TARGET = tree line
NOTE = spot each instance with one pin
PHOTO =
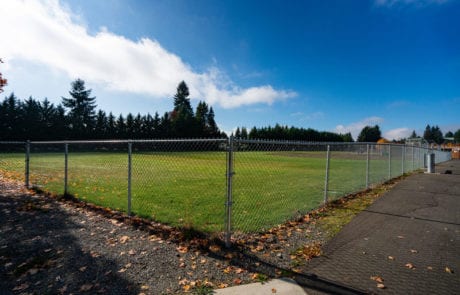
(76, 118)
(279, 132)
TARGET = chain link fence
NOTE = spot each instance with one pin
(228, 186)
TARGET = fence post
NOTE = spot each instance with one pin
(66, 167)
(367, 166)
(403, 159)
(27, 171)
(413, 155)
(130, 146)
(229, 203)
(389, 161)
(326, 180)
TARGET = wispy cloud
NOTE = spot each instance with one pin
(302, 117)
(398, 104)
(356, 127)
(419, 3)
(397, 133)
(45, 32)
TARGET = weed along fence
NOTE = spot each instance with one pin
(228, 186)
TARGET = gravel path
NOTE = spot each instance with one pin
(63, 247)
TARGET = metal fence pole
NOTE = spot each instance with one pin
(413, 155)
(229, 203)
(66, 167)
(367, 166)
(326, 180)
(403, 156)
(389, 162)
(27, 160)
(130, 147)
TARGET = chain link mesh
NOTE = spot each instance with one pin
(186, 183)
(275, 181)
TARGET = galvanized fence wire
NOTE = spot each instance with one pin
(213, 185)
(275, 181)
(186, 176)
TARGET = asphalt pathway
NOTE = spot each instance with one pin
(407, 242)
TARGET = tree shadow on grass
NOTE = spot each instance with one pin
(39, 252)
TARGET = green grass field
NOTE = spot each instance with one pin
(189, 188)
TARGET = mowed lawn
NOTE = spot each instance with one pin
(189, 188)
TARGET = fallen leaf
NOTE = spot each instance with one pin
(122, 270)
(381, 286)
(273, 290)
(182, 264)
(82, 269)
(186, 288)
(449, 270)
(128, 265)
(182, 249)
(144, 287)
(410, 266)
(239, 270)
(400, 237)
(237, 281)
(378, 279)
(86, 287)
(132, 252)
(413, 251)
(203, 261)
(228, 269)
(33, 271)
(21, 287)
(222, 285)
(124, 239)
(391, 258)
(214, 248)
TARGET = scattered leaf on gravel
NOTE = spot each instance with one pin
(228, 269)
(21, 287)
(449, 270)
(132, 252)
(400, 237)
(187, 288)
(410, 266)
(222, 285)
(86, 287)
(122, 270)
(413, 251)
(237, 281)
(381, 286)
(391, 258)
(82, 269)
(239, 270)
(124, 239)
(429, 268)
(378, 279)
(144, 287)
(182, 249)
(214, 248)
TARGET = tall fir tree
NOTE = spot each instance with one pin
(81, 107)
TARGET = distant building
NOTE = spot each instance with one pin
(417, 141)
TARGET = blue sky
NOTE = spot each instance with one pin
(329, 65)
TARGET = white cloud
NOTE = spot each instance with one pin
(397, 133)
(420, 3)
(302, 117)
(45, 32)
(356, 127)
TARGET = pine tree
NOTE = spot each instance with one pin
(81, 109)
(182, 116)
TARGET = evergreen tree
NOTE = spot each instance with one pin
(101, 128)
(121, 127)
(244, 133)
(449, 134)
(182, 116)
(413, 135)
(213, 130)
(370, 134)
(111, 126)
(81, 109)
(457, 136)
(130, 126)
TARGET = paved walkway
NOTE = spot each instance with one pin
(408, 240)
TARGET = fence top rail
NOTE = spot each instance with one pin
(294, 142)
(114, 141)
(12, 142)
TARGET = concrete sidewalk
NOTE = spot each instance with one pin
(408, 242)
(409, 239)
